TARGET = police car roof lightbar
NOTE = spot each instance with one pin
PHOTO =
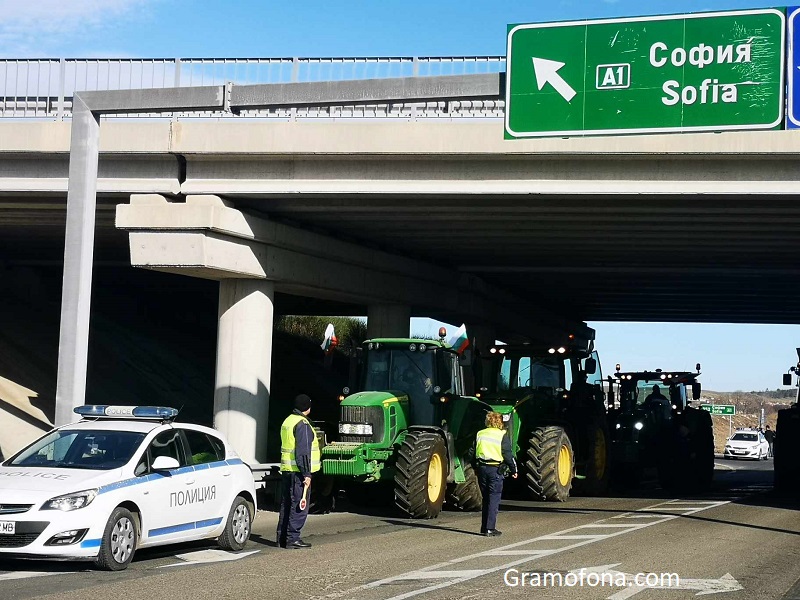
(161, 413)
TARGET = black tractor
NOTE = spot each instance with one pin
(786, 447)
(654, 431)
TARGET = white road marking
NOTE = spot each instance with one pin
(531, 553)
(207, 556)
(703, 587)
(458, 575)
(29, 574)
(454, 577)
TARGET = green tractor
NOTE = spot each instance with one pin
(786, 448)
(657, 433)
(553, 403)
(407, 429)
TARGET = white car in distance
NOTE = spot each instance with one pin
(746, 443)
(123, 478)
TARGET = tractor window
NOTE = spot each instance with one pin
(568, 365)
(595, 378)
(444, 365)
(450, 373)
(504, 375)
(405, 371)
(514, 372)
(545, 373)
(524, 372)
(677, 394)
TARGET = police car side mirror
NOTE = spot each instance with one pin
(165, 463)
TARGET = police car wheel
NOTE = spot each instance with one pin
(119, 541)
(237, 528)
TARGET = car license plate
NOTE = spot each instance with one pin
(740, 451)
(7, 527)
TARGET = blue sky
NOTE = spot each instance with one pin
(733, 356)
(266, 28)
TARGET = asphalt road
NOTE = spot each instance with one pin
(739, 541)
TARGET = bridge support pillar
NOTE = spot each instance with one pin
(244, 362)
(388, 320)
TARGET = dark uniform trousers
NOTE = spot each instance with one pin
(291, 519)
(491, 483)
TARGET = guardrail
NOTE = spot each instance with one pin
(43, 88)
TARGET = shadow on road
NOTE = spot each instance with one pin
(428, 525)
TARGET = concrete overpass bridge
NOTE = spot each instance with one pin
(434, 217)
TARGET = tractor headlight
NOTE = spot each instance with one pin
(355, 428)
(638, 425)
(506, 418)
(70, 502)
(619, 426)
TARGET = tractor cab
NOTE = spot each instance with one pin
(653, 425)
(658, 393)
(557, 377)
(421, 370)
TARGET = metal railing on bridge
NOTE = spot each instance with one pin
(43, 88)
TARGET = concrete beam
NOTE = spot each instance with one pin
(388, 321)
(157, 174)
(399, 89)
(201, 98)
(207, 237)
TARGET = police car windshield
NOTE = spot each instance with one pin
(80, 449)
(745, 437)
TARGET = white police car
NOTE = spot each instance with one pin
(123, 478)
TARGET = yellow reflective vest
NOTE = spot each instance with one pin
(288, 445)
(489, 445)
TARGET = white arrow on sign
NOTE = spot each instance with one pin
(703, 587)
(547, 72)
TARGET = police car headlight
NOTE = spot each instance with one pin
(71, 501)
(355, 428)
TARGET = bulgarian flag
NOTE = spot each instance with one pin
(330, 338)
(460, 341)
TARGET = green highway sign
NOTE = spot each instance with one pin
(679, 73)
(719, 409)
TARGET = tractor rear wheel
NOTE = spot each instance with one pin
(466, 496)
(704, 450)
(786, 451)
(597, 461)
(550, 464)
(421, 477)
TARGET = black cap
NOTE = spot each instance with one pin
(302, 402)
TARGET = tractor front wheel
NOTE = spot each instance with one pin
(597, 461)
(550, 465)
(421, 477)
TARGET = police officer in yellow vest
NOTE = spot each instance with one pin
(299, 459)
(492, 451)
